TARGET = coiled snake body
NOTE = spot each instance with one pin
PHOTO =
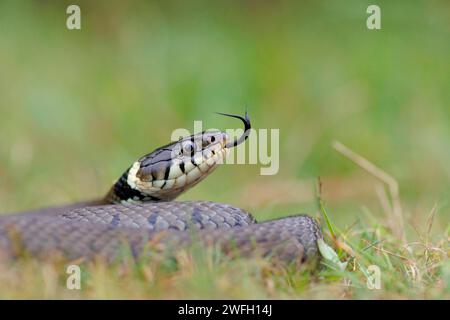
(138, 214)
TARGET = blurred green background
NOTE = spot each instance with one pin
(77, 107)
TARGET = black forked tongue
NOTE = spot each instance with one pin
(247, 127)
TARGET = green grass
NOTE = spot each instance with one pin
(77, 107)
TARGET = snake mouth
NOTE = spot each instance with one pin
(247, 127)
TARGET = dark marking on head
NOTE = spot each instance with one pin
(124, 192)
(182, 167)
(167, 172)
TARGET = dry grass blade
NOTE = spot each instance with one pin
(378, 173)
(431, 219)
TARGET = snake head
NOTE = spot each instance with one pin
(172, 169)
(168, 171)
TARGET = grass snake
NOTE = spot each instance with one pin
(139, 216)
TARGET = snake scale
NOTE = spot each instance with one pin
(138, 214)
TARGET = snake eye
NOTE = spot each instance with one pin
(208, 139)
(188, 148)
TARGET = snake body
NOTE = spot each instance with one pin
(139, 215)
